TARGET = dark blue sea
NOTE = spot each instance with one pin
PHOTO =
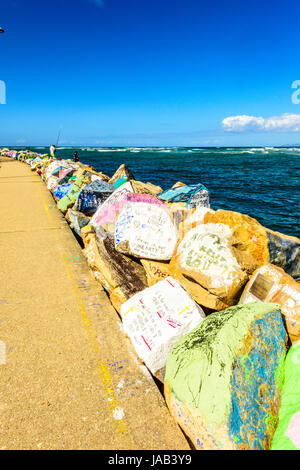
(261, 182)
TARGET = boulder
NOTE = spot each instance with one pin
(287, 434)
(121, 276)
(271, 284)
(264, 245)
(145, 188)
(61, 190)
(206, 265)
(223, 380)
(77, 220)
(144, 228)
(189, 196)
(156, 318)
(52, 183)
(92, 195)
(69, 199)
(121, 176)
(155, 270)
(105, 215)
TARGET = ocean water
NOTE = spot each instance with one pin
(261, 182)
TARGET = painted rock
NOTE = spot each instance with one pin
(271, 284)
(77, 220)
(223, 380)
(106, 212)
(145, 188)
(52, 183)
(65, 175)
(120, 276)
(69, 199)
(62, 190)
(284, 251)
(191, 195)
(155, 270)
(92, 195)
(123, 174)
(145, 229)
(156, 318)
(206, 266)
(287, 434)
(264, 245)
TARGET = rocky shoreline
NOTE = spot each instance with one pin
(210, 299)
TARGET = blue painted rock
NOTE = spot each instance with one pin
(287, 434)
(62, 190)
(223, 380)
(92, 195)
(190, 196)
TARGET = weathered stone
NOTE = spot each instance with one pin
(156, 318)
(69, 199)
(77, 220)
(206, 266)
(271, 284)
(145, 229)
(287, 434)
(105, 215)
(223, 380)
(191, 196)
(145, 188)
(259, 244)
(122, 276)
(92, 195)
(123, 174)
(155, 270)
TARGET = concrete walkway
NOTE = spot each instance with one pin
(69, 379)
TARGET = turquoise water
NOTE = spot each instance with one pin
(260, 182)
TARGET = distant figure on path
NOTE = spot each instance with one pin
(76, 157)
(52, 151)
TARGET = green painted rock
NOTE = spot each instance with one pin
(70, 198)
(223, 380)
(287, 434)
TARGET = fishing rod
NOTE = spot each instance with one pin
(59, 132)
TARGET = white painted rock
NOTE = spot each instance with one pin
(156, 318)
(146, 230)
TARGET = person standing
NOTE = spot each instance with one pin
(52, 151)
(76, 156)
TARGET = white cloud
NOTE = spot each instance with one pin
(284, 123)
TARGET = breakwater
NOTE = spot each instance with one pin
(209, 299)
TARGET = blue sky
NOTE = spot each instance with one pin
(141, 72)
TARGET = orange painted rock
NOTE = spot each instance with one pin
(271, 284)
